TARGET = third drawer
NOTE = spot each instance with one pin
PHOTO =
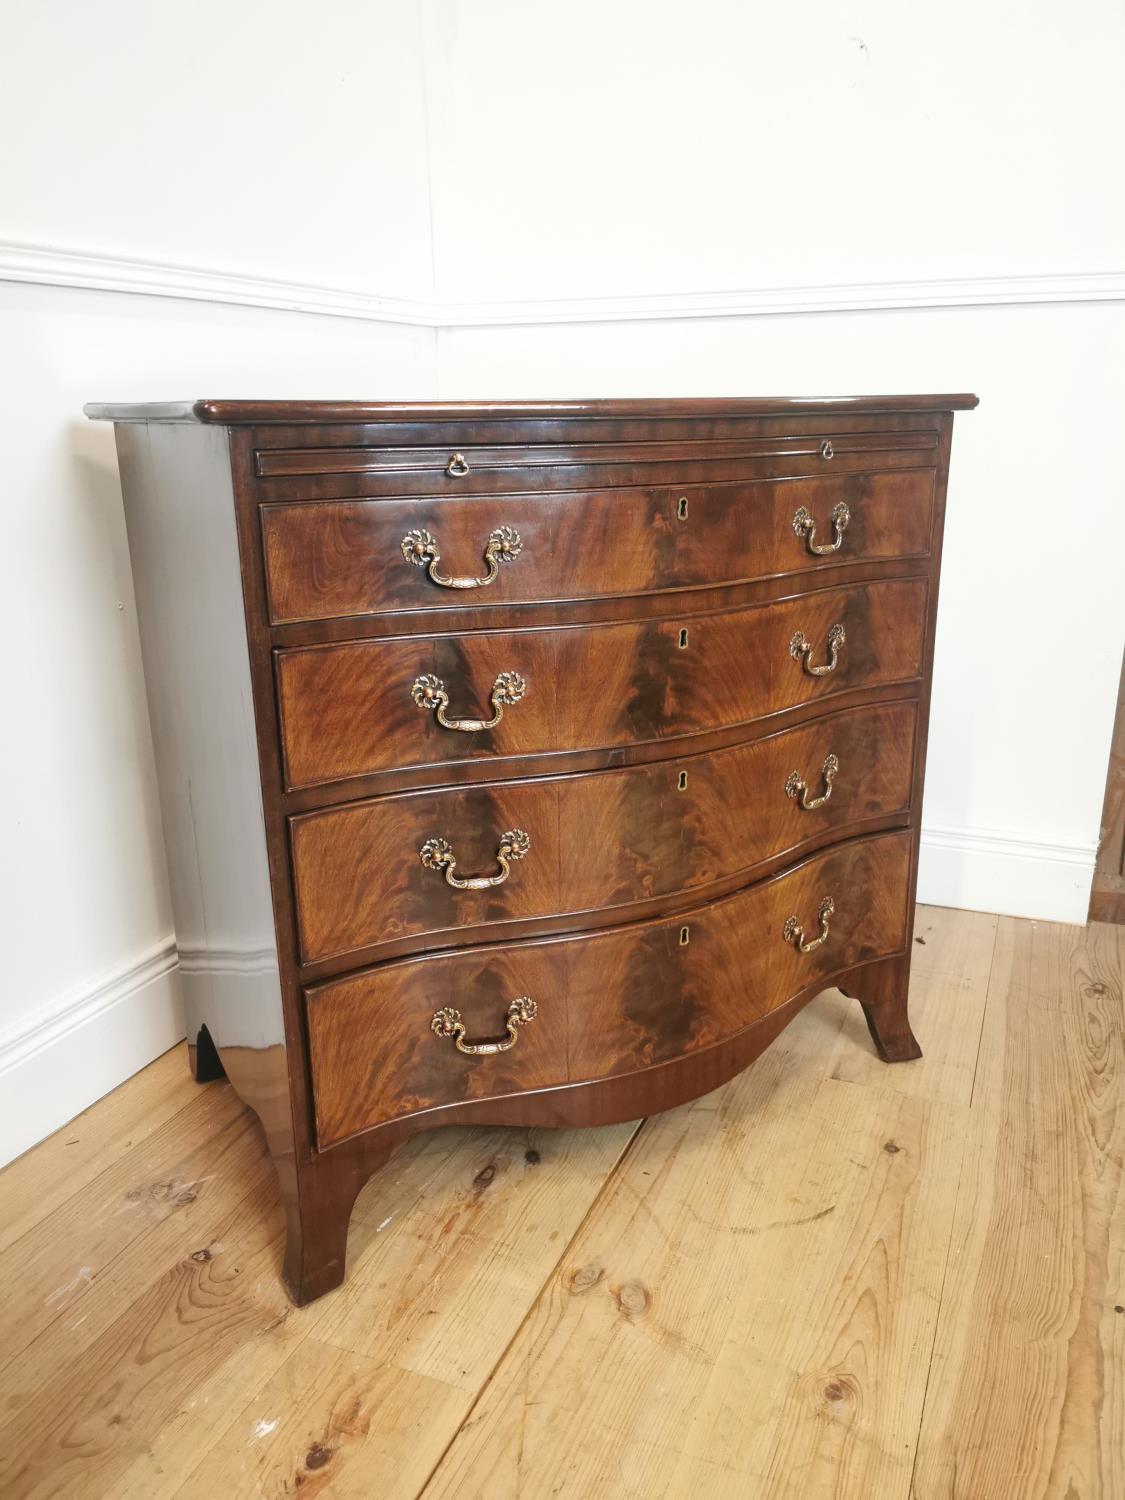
(379, 871)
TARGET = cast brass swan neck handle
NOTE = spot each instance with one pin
(437, 854)
(420, 547)
(800, 649)
(794, 933)
(447, 1022)
(804, 525)
(798, 788)
(429, 692)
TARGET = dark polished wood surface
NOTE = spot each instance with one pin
(336, 558)
(234, 413)
(608, 1003)
(658, 757)
(663, 828)
(348, 710)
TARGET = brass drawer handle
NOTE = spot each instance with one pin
(429, 692)
(437, 854)
(793, 933)
(458, 466)
(804, 525)
(800, 650)
(421, 548)
(448, 1022)
(798, 788)
(826, 450)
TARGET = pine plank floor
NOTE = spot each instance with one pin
(829, 1278)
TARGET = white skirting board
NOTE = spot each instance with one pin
(991, 870)
(91, 1040)
(85, 1043)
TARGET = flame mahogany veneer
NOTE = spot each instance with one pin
(651, 676)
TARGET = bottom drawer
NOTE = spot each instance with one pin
(604, 1003)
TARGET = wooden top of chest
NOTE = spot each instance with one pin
(256, 413)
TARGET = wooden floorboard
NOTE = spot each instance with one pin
(830, 1278)
(1027, 1396)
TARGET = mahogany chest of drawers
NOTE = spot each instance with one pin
(528, 764)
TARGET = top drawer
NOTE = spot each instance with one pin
(532, 466)
(368, 556)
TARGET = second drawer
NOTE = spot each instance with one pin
(391, 704)
(605, 840)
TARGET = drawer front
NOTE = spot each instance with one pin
(470, 468)
(605, 1003)
(369, 873)
(370, 706)
(354, 557)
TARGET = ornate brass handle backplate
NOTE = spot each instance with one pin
(429, 692)
(804, 525)
(448, 1022)
(437, 854)
(421, 548)
(798, 788)
(794, 933)
(800, 649)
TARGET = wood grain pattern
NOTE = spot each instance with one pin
(33, 1186)
(505, 465)
(663, 829)
(344, 558)
(609, 1003)
(181, 1339)
(315, 711)
(734, 1320)
(347, 710)
(1028, 1393)
(753, 1296)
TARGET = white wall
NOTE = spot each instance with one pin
(608, 150)
(263, 138)
(903, 198)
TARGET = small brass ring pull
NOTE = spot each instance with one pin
(429, 693)
(794, 933)
(800, 650)
(421, 548)
(826, 450)
(437, 854)
(448, 1022)
(804, 525)
(798, 788)
(458, 466)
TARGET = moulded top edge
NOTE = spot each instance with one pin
(255, 413)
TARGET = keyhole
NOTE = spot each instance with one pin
(681, 782)
(685, 936)
(681, 509)
(683, 639)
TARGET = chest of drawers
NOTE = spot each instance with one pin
(527, 764)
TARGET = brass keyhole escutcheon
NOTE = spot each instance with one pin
(685, 936)
(681, 509)
(683, 640)
(681, 782)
